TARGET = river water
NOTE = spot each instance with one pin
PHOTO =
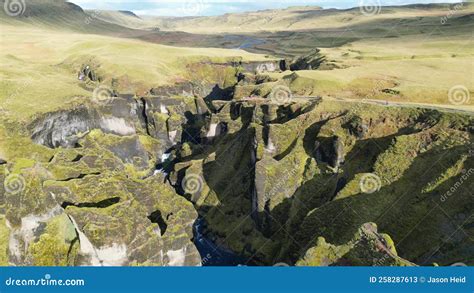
(211, 253)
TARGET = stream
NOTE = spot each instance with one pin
(211, 253)
(244, 42)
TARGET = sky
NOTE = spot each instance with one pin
(219, 7)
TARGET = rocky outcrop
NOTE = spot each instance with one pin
(262, 67)
(186, 89)
(122, 181)
(65, 127)
(87, 73)
(160, 117)
(312, 61)
(358, 127)
(337, 153)
(251, 79)
(366, 248)
(88, 212)
(329, 150)
(299, 175)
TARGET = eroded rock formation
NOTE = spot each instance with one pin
(123, 182)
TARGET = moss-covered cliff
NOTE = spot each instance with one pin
(120, 180)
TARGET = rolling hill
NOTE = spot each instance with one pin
(58, 14)
(122, 18)
(306, 18)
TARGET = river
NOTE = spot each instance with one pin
(211, 253)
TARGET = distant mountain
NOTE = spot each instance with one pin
(289, 32)
(304, 18)
(53, 9)
(67, 15)
(57, 14)
(122, 18)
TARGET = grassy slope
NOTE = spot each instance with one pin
(418, 58)
(122, 18)
(404, 49)
(420, 61)
(40, 58)
(419, 71)
(60, 14)
(39, 66)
